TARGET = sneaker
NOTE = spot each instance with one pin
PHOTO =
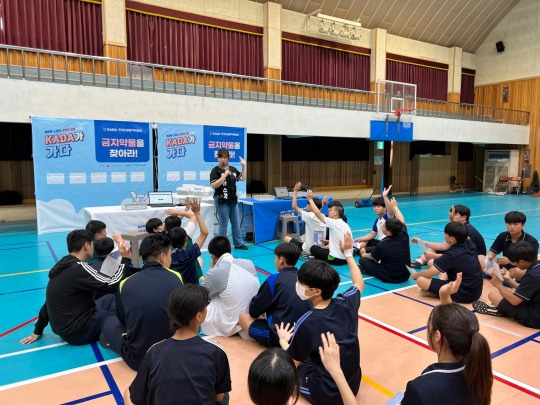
(241, 247)
(416, 265)
(427, 294)
(103, 342)
(486, 309)
(305, 255)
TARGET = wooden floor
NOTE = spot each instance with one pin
(392, 319)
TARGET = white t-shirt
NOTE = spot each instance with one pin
(190, 229)
(231, 283)
(337, 228)
(313, 224)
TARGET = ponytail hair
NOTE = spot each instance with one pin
(459, 330)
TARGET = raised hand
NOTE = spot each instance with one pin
(297, 186)
(196, 206)
(124, 249)
(386, 191)
(310, 195)
(329, 352)
(242, 161)
(347, 243)
(285, 332)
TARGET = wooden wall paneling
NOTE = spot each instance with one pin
(401, 168)
(523, 95)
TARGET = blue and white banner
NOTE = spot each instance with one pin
(187, 153)
(87, 163)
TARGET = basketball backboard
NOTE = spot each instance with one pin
(396, 96)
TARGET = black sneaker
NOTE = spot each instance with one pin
(416, 265)
(241, 247)
(103, 342)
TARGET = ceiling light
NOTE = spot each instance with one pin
(334, 30)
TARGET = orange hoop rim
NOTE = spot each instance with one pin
(399, 111)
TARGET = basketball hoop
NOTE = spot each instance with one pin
(405, 115)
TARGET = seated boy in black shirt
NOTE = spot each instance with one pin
(388, 261)
(515, 222)
(276, 298)
(317, 282)
(462, 257)
(522, 301)
(184, 369)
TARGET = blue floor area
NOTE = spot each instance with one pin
(25, 258)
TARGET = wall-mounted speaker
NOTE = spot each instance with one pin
(500, 46)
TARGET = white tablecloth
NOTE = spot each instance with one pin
(119, 220)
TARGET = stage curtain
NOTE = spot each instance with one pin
(57, 25)
(430, 82)
(176, 43)
(467, 89)
(306, 63)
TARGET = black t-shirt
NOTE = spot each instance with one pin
(187, 372)
(394, 252)
(142, 306)
(462, 258)
(529, 289)
(184, 261)
(477, 239)
(278, 299)
(441, 384)
(341, 318)
(227, 190)
(504, 241)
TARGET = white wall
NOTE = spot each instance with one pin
(519, 30)
(72, 101)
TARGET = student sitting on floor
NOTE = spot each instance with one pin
(174, 220)
(183, 369)
(330, 254)
(461, 257)
(383, 210)
(458, 213)
(141, 304)
(231, 283)
(312, 224)
(515, 222)
(154, 225)
(522, 301)
(273, 379)
(102, 247)
(99, 230)
(277, 299)
(388, 261)
(70, 305)
(184, 259)
(317, 282)
(462, 374)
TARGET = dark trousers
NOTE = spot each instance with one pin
(105, 307)
(322, 254)
(114, 331)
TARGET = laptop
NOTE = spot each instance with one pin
(282, 193)
(160, 199)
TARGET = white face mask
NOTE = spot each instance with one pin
(301, 292)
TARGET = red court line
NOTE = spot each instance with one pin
(425, 346)
(18, 327)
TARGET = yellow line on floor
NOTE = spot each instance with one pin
(377, 386)
(23, 273)
(446, 219)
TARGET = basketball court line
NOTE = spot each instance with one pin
(2, 356)
(89, 398)
(7, 332)
(23, 273)
(59, 374)
(526, 388)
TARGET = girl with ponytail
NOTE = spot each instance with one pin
(183, 368)
(463, 373)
